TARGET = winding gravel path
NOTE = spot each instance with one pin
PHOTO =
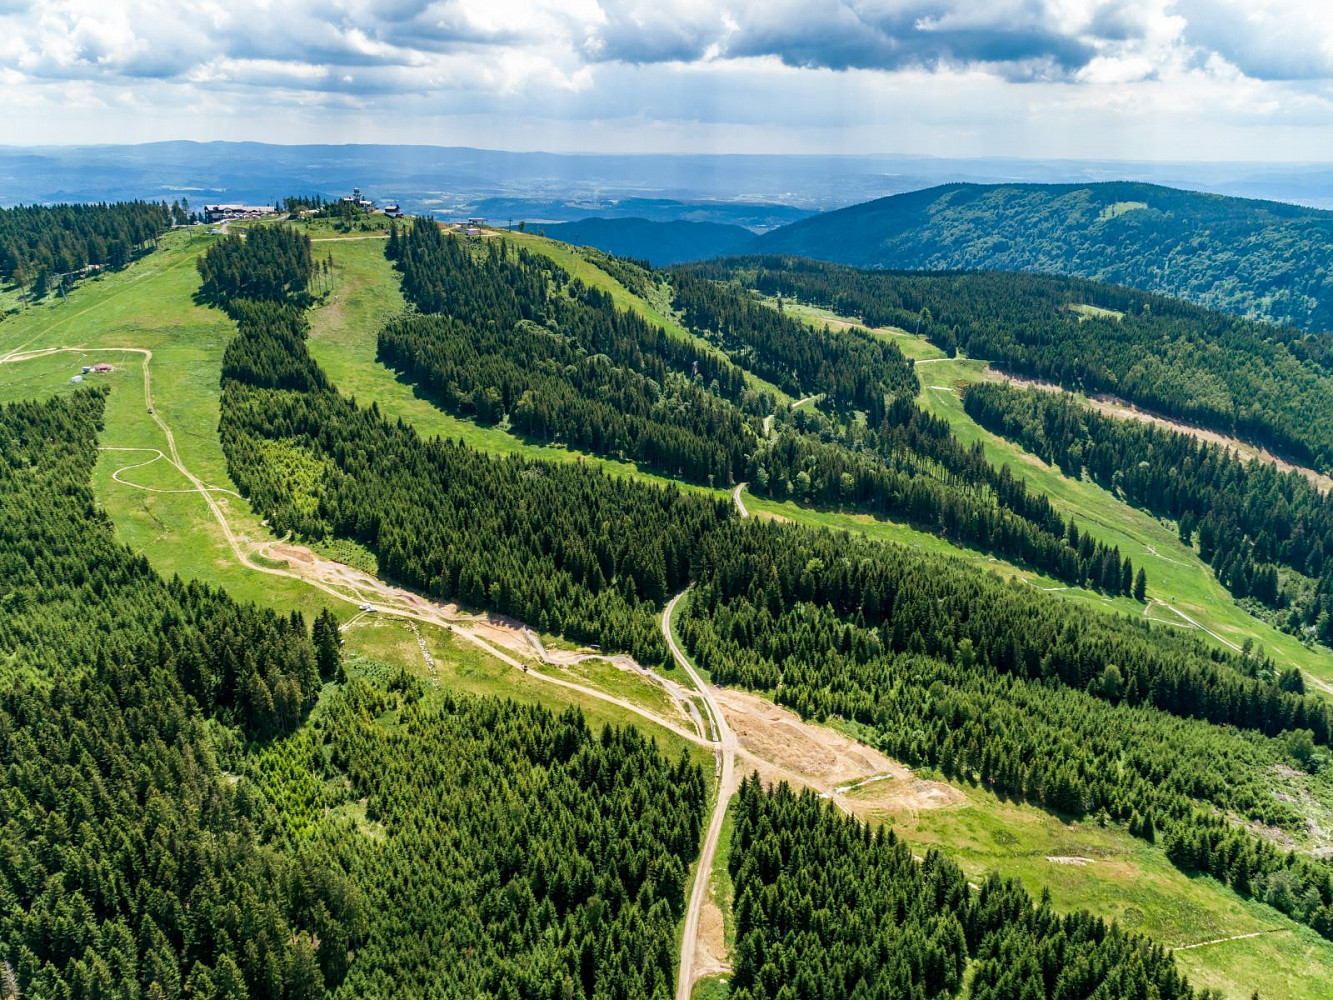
(726, 769)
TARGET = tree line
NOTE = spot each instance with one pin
(507, 335)
(1166, 355)
(826, 907)
(912, 468)
(1249, 518)
(267, 264)
(849, 369)
(40, 244)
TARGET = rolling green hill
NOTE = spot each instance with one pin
(660, 243)
(563, 855)
(1261, 259)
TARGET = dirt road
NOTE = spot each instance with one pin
(726, 751)
(740, 504)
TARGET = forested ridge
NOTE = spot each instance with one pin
(827, 908)
(1036, 698)
(850, 371)
(1079, 711)
(1249, 518)
(39, 243)
(1263, 259)
(1248, 379)
(161, 838)
(509, 337)
(507, 334)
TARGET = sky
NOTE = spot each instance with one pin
(1116, 79)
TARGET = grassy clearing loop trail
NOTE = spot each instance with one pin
(158, 455)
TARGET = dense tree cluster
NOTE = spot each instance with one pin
(1168, 356)
(1249, 517)
(850, 369)
(503, 851)
(515, 340)
(1033, 698)
(912, 468)
(295, 204)
(129, 863)
(925, 604)
(1262, 259)
(564, 547)
(40, 243)
(826, 907)
(508, 335)
(267, 263)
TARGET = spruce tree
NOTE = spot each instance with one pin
(328, 643)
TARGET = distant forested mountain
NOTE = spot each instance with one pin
(1260, 259)
(659, 243)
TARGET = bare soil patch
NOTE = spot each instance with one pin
(710, 956)
(782, 747)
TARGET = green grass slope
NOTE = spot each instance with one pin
(659, 243)
(1182, 589)
(154, 508)
(1260, 259)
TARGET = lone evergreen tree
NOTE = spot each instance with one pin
(1140, 585)
(328, 646)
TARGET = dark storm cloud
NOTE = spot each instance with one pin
(1014, 38)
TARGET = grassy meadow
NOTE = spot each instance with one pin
(1125, 879)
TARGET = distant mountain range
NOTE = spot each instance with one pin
(752, 216)
(1262, 259)
(453, 182)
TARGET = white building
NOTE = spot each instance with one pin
(220, 213)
